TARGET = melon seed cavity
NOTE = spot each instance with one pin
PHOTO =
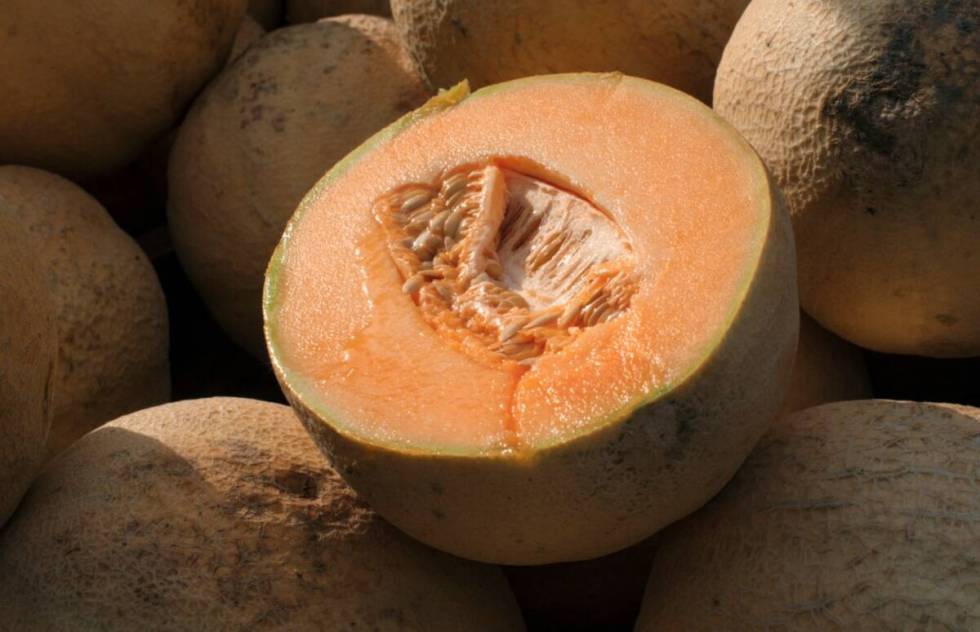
(504, 262)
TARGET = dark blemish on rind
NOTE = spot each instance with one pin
(459, 26)
(896, 79)
(438, 514)
(297, 483)
(436, 488)
(870, 210)
(947, 319)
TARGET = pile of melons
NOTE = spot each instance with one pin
(467, 315)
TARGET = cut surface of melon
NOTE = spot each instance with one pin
(618, 265)
(540, 322)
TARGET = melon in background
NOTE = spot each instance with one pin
(111, 316)
(221, 514)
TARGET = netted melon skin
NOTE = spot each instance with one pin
(854, 516)
(867, 114)
(28, 360)
(676, 42)
(111, 314)
(220, 514)
(89, 83)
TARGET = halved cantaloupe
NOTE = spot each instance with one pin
(539, 322)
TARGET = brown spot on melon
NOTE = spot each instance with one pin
(261, 135)
(110, 311)
(221, 514)
(87, 86)
(855, 516)
(867, 113)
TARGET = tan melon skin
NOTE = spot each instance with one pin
(676, 42)
(261, 135)
(867, 114)
(111, 314)
(221, 514)
(299, 11)
(28, 356)
(849, 516)
(88, 83)
(827, 369)
(660, 463)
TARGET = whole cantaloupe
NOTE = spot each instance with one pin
(220, 514)
(88, 83)
(868, 115)
(676, 42)
(261, 135)
(111, 313)
(850, 516)
(28, 353)
(299, 11)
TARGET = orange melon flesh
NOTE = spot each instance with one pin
(688, 194)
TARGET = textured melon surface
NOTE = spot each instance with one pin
(28, 357)
(868, 115)
(261, 135)
(677, 42)
(850, 516)
(220, 514)
(89, 83)
(572, 373)
(111, 315)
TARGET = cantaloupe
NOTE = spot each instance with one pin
(299, 11)
(88, 83)
(538, 323)
(868, 114)
(28, 356)
(850, 516)
(111, 315)
(261, 135)
(220, 514)
(676, 42)
(827, 369)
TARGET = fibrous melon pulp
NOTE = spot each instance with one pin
(539, 323)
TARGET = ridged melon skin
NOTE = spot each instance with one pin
(676, 42)
(111, 314)
(299, 11)
(88, 83)
(827, 369)
(849, 516)
(622, 481)
(261, 135)
(220, 514)
(28, 356)
(868, 115)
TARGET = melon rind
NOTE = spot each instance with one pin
(620, 478)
